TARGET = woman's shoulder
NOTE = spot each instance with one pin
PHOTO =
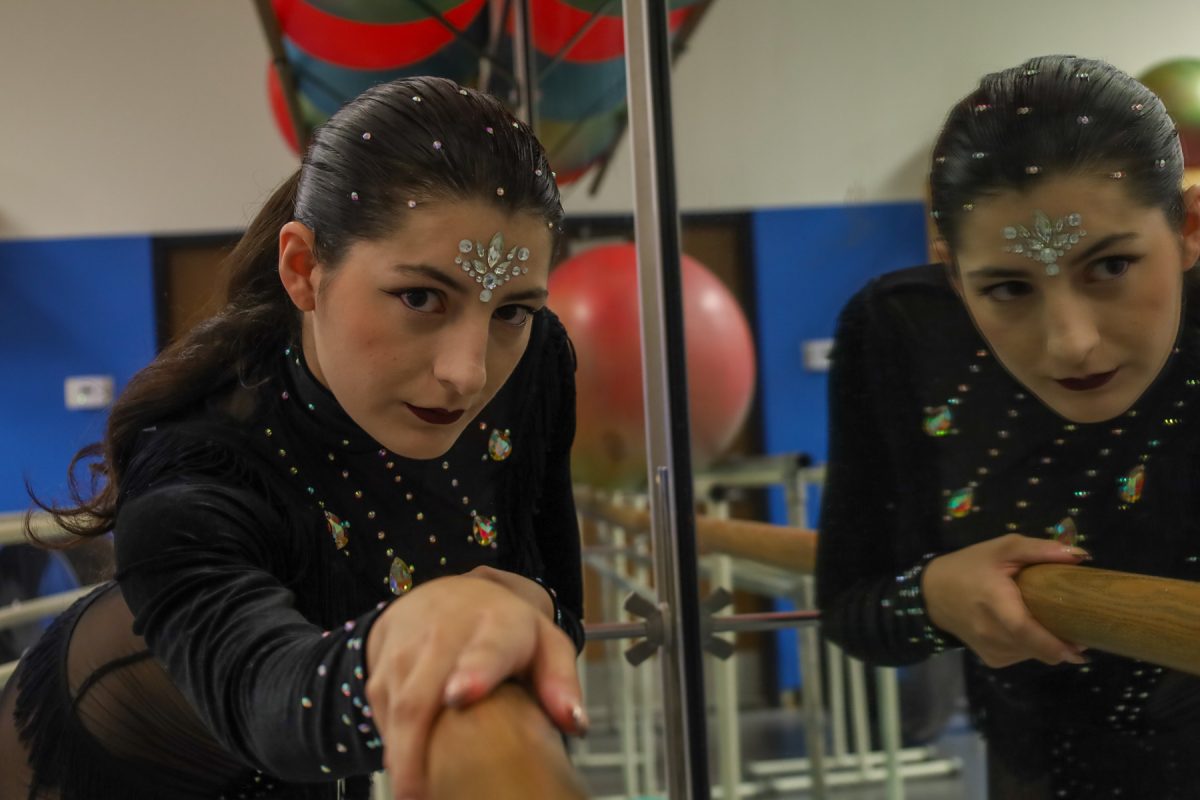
(210, 443)
(911, 291)
(549, 358)
(913, 309)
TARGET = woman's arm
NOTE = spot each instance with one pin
(890, 594)
(199, 571)
(870, 599)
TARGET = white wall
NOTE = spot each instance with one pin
(136, 116)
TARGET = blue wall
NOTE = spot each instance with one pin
(67, 307)
(808, 262)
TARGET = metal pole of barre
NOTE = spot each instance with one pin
(858, 708)
(21, 612)
(625, 676)
(835, 674)
(810, 657)
(889, 724)
(724, 676)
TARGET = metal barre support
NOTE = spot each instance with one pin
(735, 623)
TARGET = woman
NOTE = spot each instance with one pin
(341, 503)
(1029, 400)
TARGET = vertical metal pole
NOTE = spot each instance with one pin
(859, 711)
(524, 63)
(625, 673)
(889, 723)
(650, 707)
(648, 65)
(810, 656)
(834, 672)
(283, 68)
(725, 680)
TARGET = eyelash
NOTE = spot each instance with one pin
(404, 294)
(1025, 288)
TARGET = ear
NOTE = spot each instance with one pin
(1190, 232)
(941, 251)
(298, 264)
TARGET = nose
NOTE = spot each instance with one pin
(460, 363)
(1071, 329)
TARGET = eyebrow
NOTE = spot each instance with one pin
(438, 276)
(538, 293)
(433, 273)
(1103, 244)
(992, 273)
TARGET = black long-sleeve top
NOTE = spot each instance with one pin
(935, 446)
(259, 538)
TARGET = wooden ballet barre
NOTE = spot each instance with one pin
(503, 748)
(1156, 620)
(793, 549)
(1138, 616)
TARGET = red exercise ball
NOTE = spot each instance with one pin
(596, 295)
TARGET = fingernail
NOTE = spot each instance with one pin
(580, 719)
(1078, 552)
(1075, 657)
(456, 690)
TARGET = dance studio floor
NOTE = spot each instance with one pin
(772, 734)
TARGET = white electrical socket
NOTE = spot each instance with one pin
(84, 392)
(816, 354)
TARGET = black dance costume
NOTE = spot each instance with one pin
(935, 447)
(257, 541)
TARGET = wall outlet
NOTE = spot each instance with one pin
(84, 392)
(816, 354)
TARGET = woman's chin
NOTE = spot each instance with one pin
(1088, 410)
(420, 445)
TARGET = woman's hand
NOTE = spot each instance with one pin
(972, 593)
(450, 642)
(530, 591)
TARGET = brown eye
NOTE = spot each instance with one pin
(1006, 291)
(1109, 268)
(517, 316)
(425, 301)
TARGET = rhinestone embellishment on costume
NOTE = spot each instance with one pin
(491, 266)
(938, 421)
(483, 530)
(1048, 241)
(337, 529)
(500, 444)
(961, 503)
(1130, 486)
(400, 577)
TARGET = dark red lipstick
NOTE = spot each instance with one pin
(435, 416)
(1088, 382)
